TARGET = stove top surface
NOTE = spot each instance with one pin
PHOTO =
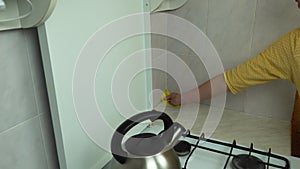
(212, 154)
(215, 154)
(205, 157)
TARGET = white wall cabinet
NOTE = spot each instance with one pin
(63, 38)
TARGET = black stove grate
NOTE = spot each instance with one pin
(233, 146)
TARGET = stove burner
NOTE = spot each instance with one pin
(245, 161)
(182, 148)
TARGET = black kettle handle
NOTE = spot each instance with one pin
(118, 153)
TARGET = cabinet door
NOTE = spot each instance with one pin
(95, 66)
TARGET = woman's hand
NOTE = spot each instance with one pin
(174, 99)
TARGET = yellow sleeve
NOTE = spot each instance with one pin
(275, 62)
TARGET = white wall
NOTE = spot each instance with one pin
(239, 30)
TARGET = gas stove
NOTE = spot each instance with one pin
(215, 154)
(207, 153)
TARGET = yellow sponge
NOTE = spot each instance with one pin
(166, 93)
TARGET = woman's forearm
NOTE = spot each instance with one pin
(214, 87)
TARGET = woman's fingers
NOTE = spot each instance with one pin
(173, 98)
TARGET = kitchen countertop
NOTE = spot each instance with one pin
(263, 132)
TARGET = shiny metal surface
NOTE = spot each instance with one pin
(165, 160)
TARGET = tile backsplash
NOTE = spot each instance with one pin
(239, 30)
(26, 134)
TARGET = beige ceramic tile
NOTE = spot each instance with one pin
(230, 26)
(274, 100)
(271, 22)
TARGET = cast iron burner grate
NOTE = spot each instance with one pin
(250, 161)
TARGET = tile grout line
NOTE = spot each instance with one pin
(253, 27)
(207, 17)
(166, 49)
(19, 124)
(250, 48)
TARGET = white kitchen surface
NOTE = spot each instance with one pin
(263, 132)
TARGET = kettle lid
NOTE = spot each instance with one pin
(145, 144)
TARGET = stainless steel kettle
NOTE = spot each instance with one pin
(146, 150)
